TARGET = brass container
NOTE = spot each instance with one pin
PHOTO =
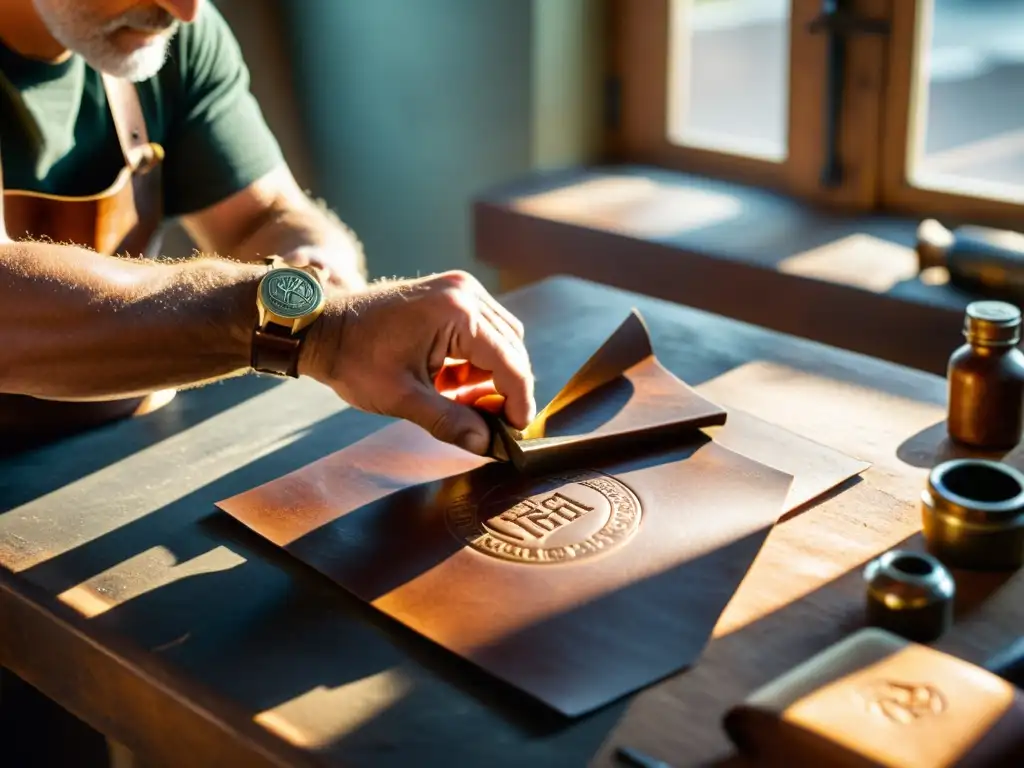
(909, 594)
(973, 514)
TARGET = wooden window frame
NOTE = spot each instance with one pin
(877, 127)
(639, 54)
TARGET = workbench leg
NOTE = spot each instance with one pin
(121, 756)
(35, 732)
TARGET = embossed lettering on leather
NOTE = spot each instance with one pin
(568, 517)
(576, 587)
(874, 699)
(620, 396)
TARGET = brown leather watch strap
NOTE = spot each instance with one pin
(275, 350)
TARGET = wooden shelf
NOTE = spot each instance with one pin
(743, 252)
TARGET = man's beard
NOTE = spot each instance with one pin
(94, 39)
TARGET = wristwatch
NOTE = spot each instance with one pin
(289, 300)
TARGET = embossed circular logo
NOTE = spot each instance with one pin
(558, 519)
(290, 292)
(903, 703)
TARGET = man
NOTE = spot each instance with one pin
(87, 326)
(109, 105)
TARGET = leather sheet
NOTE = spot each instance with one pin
(577, 585)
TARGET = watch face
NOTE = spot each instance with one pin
(290, 292)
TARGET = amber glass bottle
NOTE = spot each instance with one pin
(986, 378)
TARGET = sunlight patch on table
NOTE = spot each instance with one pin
(635, 206)
(807, 403)
(883, 507)
(778, 578)
(859, 260)
(323, 715)
(146, 572)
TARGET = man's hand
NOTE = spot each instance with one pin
(384, 350)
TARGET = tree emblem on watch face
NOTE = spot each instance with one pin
(291, 292)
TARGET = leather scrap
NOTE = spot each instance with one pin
(621, 397)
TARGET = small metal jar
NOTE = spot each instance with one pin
(910, 594)
(973, 514)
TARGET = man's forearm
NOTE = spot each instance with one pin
(273, 216)
(313, 230)
(81, 325)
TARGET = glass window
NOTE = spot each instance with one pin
(729, 76)
(967, 124)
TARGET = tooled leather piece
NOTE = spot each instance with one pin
(124, 218)
(275, 351)
(875, 699)
(577, 587)
(620, 397)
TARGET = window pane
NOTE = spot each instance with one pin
(729, 75)
(970, 98)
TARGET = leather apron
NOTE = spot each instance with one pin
(123, 219)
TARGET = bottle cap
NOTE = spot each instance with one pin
(992, 323)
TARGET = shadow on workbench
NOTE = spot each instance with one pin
(268, 632)
(35, 473)
(932, 446)
(265, 630)
(75, 457)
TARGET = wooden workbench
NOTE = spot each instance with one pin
(131, 600)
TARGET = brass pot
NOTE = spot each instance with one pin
(973, 514)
